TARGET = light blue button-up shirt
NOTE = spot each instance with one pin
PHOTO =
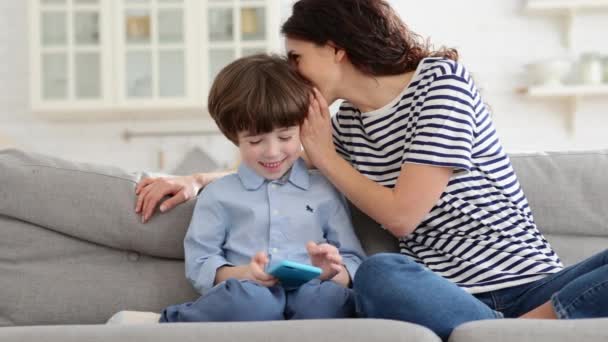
(242, 214)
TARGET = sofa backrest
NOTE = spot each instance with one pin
(568, 194)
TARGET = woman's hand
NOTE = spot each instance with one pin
(315, 132)
(150, 191)
(326, 257)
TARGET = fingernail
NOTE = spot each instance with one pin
(162, 208)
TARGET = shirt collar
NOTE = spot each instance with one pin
(298, 176)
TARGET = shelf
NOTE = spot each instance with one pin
(568, 90)
(564, 6)
(566, 9)
(571, 94)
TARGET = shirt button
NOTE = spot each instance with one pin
(274, 186)
(274, 250)
(275, 212)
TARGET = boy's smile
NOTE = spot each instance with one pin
(271, 154)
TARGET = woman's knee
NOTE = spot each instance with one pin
(379, 270)
(604, 255)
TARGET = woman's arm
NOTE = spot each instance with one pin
(400, 209)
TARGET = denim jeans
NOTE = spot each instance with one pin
(243, 300)
(393, 286)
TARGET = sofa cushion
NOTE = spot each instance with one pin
(532, 330)
(566, 190)
(51, 278)
(91, 202)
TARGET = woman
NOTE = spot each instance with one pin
(414, 147)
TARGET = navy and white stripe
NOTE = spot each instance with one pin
(481, 234)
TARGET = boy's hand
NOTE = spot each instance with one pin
(257, 273)
(326, 257)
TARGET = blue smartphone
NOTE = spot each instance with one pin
(293, 274)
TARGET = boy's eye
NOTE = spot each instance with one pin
(287, 138)
(254, 142)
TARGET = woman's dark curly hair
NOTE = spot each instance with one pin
(374, 37)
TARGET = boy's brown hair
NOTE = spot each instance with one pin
(257, 94)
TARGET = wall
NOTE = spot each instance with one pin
(495, 40)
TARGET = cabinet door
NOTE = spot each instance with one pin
(70, 54)
(155, 53)
(237, 28)
(92, 55)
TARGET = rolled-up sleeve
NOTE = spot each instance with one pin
(340, 230)
(203, 242)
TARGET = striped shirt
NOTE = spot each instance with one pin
(481, 233)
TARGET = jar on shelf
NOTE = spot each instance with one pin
(591, 68)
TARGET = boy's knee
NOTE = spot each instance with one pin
(251, 301)
(321, 300)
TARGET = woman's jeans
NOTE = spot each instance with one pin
(393, 286)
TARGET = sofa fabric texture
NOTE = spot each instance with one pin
(73, 252)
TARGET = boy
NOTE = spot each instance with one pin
(272, 209)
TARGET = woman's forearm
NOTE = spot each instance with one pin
(378, 202)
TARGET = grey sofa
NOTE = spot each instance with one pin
(72, 253)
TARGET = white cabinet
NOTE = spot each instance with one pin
(155, 49)
(71, 54)
(116, 56)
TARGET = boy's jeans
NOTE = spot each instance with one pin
(393, 286)
(243, 300)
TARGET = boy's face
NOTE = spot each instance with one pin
(270, 155)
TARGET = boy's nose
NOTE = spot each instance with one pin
(273, 149)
